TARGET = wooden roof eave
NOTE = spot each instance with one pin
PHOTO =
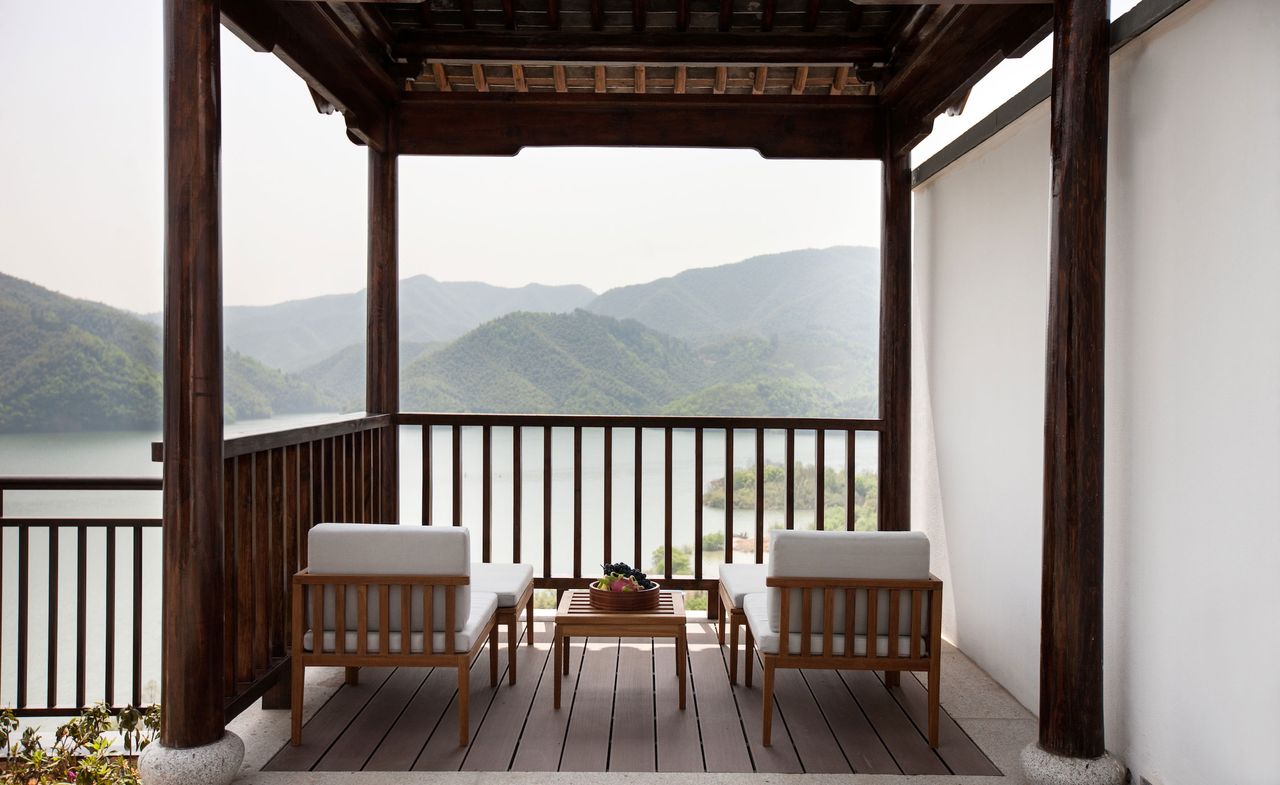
(313, 46)
(940, 71)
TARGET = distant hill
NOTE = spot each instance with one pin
(833, 291)
(584, 363)
(341, 375)
(301, 333)
(577, 363)
(68, 364)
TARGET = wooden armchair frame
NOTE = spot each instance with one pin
(306, 583)
(510, 617)
(918, 658)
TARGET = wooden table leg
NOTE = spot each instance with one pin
(566, 655)
(558, 645)
(682, 659)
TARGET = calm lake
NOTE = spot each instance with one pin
(129, 454)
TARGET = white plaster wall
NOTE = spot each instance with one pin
(1193, 396)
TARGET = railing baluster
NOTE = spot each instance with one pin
(486, 500)
(306, 510)
(850, 497)
(244, 565)
(820, 479)
(82, 610)
(426, 475)
(667, 539)
(728, 495)
(52, 618)
(109, 661)
(791, 478)
(137, 616)
(546, 502)
(697, 504)
(577, 501)
(639, 499)
(261, 522)
(277, 522)
(760, 495)
(608, 496)
(517, 491)
(457, 475)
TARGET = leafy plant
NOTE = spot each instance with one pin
(82, 752)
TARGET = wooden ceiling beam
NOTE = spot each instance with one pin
(651, 48)
(504, 123)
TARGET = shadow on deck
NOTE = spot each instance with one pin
(621, 713)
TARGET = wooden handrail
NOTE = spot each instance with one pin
(270, 440)
(74, 483)
(641, 421)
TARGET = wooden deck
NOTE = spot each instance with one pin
(620, 714)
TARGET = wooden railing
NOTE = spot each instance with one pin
(735, 431)
(276, 487)
(97, 539)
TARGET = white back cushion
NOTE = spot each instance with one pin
(860, 555)
(391, 549)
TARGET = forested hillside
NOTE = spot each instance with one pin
(68, 365)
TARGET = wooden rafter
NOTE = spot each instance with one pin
(509, 14)
(468, 14)
(477, 75)
(561, 85)
(722, 78)
(638, 10)
(840, 81)
(553, 14)
(802, 76)
(682, 76)
(767, 14)
(597, 14)
(602, 84)
(517, 76)
(639, 79)
(811, 15)
(441, 78)
(762, 75)
(726, 15)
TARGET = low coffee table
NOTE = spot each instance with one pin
(576, 618)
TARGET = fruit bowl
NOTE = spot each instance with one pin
(643, 600)
(623, 588)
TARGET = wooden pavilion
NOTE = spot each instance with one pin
(824, 79)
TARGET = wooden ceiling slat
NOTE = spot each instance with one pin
(647, 48)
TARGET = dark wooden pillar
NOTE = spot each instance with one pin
(191, 633)
(895, 342)
(1071, 601)
(382, 364)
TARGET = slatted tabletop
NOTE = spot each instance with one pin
(576, 608)
(622, 716)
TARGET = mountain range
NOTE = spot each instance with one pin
(783, 334)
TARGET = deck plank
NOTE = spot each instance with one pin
(955, 747)
(855, 735)
(590, 694)
(544, 730)
(899, 734)
(401, 746)
(780, 757)
(631, 740)
(442, 751)
(495, 745)
(327, 725)
(358, 742)
(816, 745)
(621, 712)
(679, 735)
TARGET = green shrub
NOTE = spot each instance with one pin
(81, 752)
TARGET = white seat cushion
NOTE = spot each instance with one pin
(483, 606)
(739, 580)
(843, 554)
(391, 549)
(756, 608)
(508, 581)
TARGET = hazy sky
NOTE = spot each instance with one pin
(81, 152)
